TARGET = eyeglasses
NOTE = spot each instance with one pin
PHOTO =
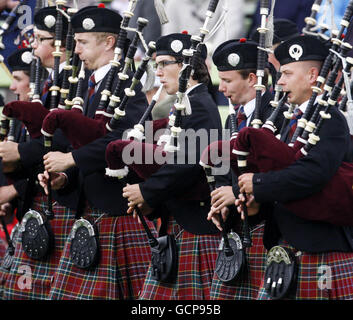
(162, 64)
(41, 39)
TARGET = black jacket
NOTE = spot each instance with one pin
(175, 185)
(102, 192)
(306, 176)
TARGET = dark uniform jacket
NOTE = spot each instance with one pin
(100, 191)
(231, 179)
(31, 159)
(181, 187)
(301, 179)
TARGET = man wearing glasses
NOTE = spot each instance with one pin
(30, 154)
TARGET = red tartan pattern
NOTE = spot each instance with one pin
(249, 281)
(311, 277)
(197, 255)
(42, 272)
(124, 259)
(3, 271)
(3, 246)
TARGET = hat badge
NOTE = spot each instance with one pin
(88, 24)
(296, 51)
(27, 57)
(233, 59)
(49, 21)
(176, 46)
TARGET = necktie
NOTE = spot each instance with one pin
(293, 122)
(46, 87)
(23, 133)
(241, 118)
(91, 88)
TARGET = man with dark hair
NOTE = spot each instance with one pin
(180, 188)
(28, 154)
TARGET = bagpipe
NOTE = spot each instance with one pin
(37, 235)
(163, 248)
(266, 152)
(84, 250)
(231, 259)
(67, 120)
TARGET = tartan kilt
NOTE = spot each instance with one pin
(196, 261)
(124, 258)
(249, 281)
(4, 271)
(39, 273)
(3, 246)
(321, 276)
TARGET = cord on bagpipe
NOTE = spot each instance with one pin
(69, 64)
(118, 53)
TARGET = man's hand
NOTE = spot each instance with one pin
(6, 212)
(222, 197)
(9, 151)
(133, 194)
(58, 180)
(7, 193)
(251, 204)
(245, 183)
(216, 215)
(58, 161)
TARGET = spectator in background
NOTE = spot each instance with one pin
(12, 38)
(295, 11)
(144, 9)
(190, 14)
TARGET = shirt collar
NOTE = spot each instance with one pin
(303, 106)
(192, 88)
(61, 68)
(101, 72)
(249, 108)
